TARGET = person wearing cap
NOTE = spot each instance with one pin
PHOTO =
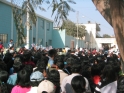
(35, 78)
(46, 87)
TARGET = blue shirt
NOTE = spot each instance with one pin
(12, 79)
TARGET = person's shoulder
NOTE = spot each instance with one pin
(66, 78)
(63, 73)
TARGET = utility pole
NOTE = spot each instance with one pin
(77, 29)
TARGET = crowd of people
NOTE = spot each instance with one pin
(60, 71)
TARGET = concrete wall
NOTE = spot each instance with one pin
(58, 39)
(111, 41)
(61, 39)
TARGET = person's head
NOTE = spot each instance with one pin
(52, 53)
(76, 68)
(42, 63)
(23, 78)
(3, 76)
(78, 84)
(54, 77)
(95, 70)
(70, 61)
(3, 79)
(11, 50)
(17, 66)
(26, 55)
(35, 78)
(29, 68)
(11, 40)
(59, 65)
(17, 59)
(3, 66)
(109, 73)
(41, 66)
(46, 86)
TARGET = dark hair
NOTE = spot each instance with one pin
(60, 65)
(41, 67)
(23, 78)
(27, 55)
(78, 83)
(29, 68)
(59, 58)
(3, 80)
(3, 66)
(76, 68)
(17, 59)
(109, 73)
(52, 52)
(95, 70)
(120, 84)
(42, 63)
(35, 83)
(17, 66)
(54, 77)
(4, 76)
(44, 92)
(70, 61)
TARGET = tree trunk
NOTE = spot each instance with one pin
(114, 15)
(117, 21)
(103, 9)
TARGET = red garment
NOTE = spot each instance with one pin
(96, 79)
(1, 46)
(30, 63)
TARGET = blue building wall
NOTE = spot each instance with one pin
(5, 20)
(39, 34)
(61, 39)
(58, 38)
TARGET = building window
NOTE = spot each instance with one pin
(4, 37)
(42, 24)
(48, 26)
(50, 42)
(33, 39)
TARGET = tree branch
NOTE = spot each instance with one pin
(103, 9)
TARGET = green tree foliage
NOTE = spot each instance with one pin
(106, 36)
(71, 29)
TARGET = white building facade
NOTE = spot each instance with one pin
(91, 41)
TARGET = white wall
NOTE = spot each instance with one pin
(91, 39)
(99, 41)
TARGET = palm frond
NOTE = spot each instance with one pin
(71, 1)
(62, 8)
(36, 3)
(42, 9)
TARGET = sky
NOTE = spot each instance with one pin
(87, 12)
